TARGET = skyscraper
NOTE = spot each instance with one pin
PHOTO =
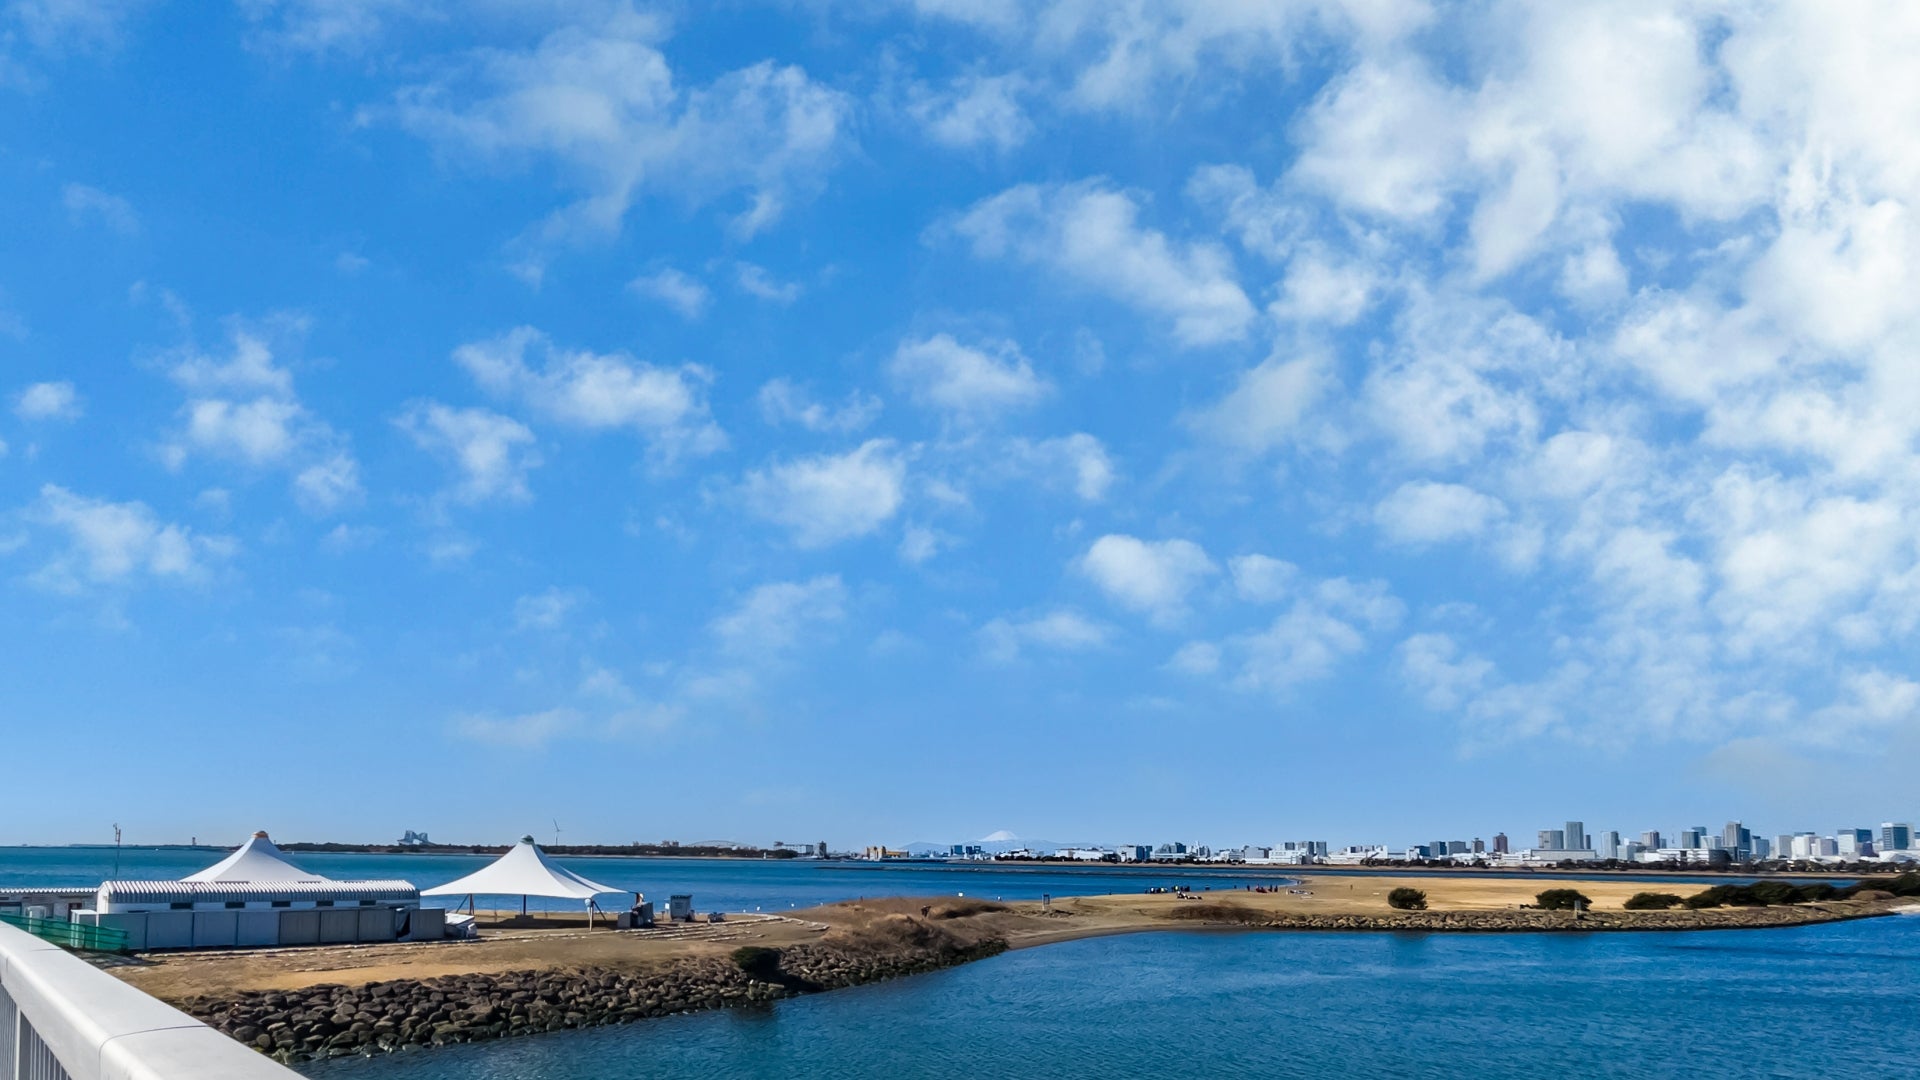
(1895, 836)
(1551, 840)
(1607, 845)
(1499, 843)
(1575, 836)
(1651, 840)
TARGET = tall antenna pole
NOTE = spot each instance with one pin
(116, 849)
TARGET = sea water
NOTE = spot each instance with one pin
(1837, 1000)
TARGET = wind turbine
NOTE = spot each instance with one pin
(556, 832)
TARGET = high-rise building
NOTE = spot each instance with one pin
(1499, 843)
(1607, 845)
(1895, 836)
(1651, 840)
(1690, 838)
(1551, 840)
(1762, 848)
(1730, 836)
(1479, 846)
(1438, 848)
(1575, 836)
(1854, 843)
(1783, 846)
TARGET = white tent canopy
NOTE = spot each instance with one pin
(524, 870)
(255, 861)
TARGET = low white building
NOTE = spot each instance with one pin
(256, 897)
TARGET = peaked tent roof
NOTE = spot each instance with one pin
(524, 870)
(257, 860)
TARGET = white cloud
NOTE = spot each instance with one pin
(60, 26)
(1467, 377)
(546, 610)
(1154, 576)
(259, 432)
(828, 498)
(966, 382)
(600, 100)
(755, 281)
(784, 402)
(1090, 233)
(249, 370)
(679, 291)
(48, 401)
(918, 543)
(1871, 704)
(773, 617)
(1262, 579)
(323, 26)
(110, 543)
(491, 454)
(1425, 512)
(1267, 405)
(1078, 461)
(528, 731)
(89, 204)
(1005, 640)
(243, 408)
(328, 483)
(1129, 56)
(974, 111)
(1196, 658)
(598, 391)
(1446, 680)
(1326, 625)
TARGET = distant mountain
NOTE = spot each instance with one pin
(993, 847)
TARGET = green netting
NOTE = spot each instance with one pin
(71, 935)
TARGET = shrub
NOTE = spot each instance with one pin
(1651, 901)
(1561, 900)
(1708, 898)
(1405, 899)
(1819, 890)
(757, 961)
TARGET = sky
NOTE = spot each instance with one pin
(888, 421)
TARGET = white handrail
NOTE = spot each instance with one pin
(57, 1008)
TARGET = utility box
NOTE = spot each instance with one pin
(427, 924)
(680, 907)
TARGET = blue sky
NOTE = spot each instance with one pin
(895, 421)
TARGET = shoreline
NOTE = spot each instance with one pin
(299, 1004)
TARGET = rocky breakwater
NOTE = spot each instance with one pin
(336, 1020)
(1528, 919)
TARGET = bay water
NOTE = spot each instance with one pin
(1839, 1000)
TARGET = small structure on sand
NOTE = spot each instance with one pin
(525, 871)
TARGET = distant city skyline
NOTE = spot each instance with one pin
(925, 419)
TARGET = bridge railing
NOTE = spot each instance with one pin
(61, 1018)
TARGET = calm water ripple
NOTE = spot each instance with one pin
(1836, 1001)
